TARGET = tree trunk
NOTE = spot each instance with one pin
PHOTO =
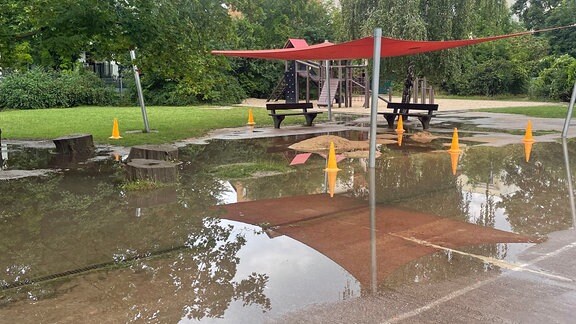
(154, 152)
(151, 170)
(79, 144)
(152, 198)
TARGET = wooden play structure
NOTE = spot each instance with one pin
(346, 83)
(422, 92)
(344, 80)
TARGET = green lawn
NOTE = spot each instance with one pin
(169, 124)
(558, 111)
(506, 97)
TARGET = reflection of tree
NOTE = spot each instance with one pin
(203, 270)
(304, 179)
(445, 265)
(422, 182)
(26, 158)
(540, 205)
(200, 279)
(482, 165)
(216, 263)
(221, 152)
(487, 210)
(537, 201)
(80, 218)
(22, 206)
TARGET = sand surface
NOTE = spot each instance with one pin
(443, 104)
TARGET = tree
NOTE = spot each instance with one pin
(533, 13)
(427, 20)
(555, 82)
(539, 14)
(173, 39)
(262, 24)
(561, 41)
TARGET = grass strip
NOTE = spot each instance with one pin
(556, 111)
(168, 124)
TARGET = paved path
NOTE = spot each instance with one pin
(444, 104)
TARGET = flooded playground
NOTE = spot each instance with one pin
(243, 236)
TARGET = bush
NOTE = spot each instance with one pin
(38, 88)
(219, 89)
(489, 78)
(555, 82)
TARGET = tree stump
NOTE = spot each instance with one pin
(152, 198)
(154, 152)
(81, 144)
(151, 170)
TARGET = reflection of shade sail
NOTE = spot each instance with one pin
(364, 48)
(339, 228)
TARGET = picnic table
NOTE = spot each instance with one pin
(279, 111)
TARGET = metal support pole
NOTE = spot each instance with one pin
(373, 257)
(140, 95)
(366, 86)
(569, 180)
(569, 114)
(308, 84)
(328, 99)
(415, 91)
(375, 86)
(1, 158)
(339, 84)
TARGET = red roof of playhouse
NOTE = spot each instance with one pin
(362, 48)
(296, 43)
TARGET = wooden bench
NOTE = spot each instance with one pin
(403, 109)
(276, 111)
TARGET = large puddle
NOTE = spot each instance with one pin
(232, 243)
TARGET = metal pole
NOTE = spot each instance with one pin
(308, 84)
(375, 86)
(366, 85)
(373, 259)
(328, 100)
(569, 180)
(140, 95)
(569, 114)
(339, 84)
(1, 158)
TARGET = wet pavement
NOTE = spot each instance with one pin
(409, 242)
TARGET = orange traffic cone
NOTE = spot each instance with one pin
(115, 131)
(400, 136)
(528, 141)
(400, 129)
(400, 125)
(250, 118)
(331, 169)
(331, 181)
(454, 151)
(332, 166)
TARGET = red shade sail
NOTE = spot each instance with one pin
(364, 48)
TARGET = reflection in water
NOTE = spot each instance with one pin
(166, 256)
(373, 256)
(496, 189)
(3, 154)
